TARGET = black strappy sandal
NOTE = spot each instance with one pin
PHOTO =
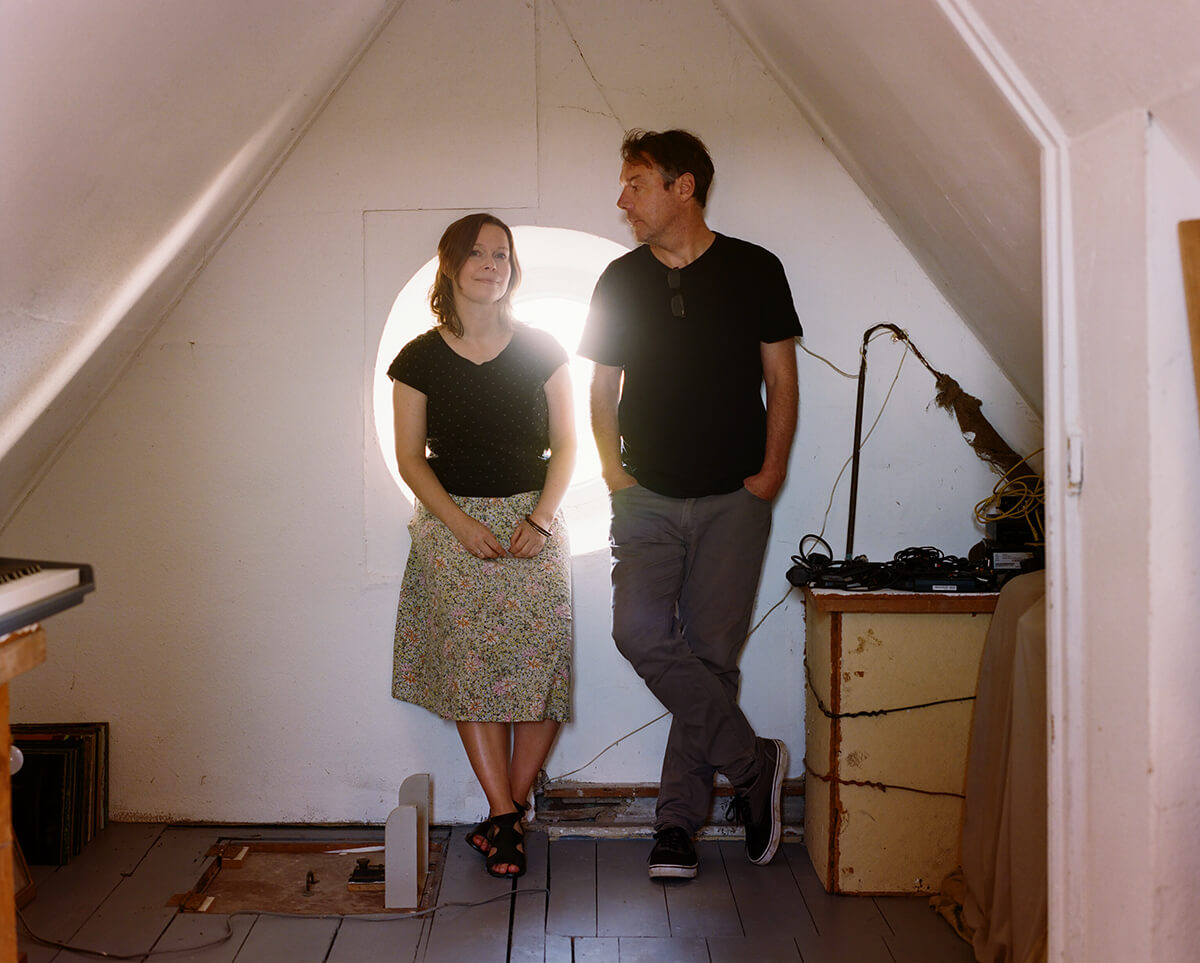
(507, 845)
(484, 827)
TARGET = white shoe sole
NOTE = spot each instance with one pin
(672, 872)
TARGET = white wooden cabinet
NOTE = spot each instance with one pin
(889, 691)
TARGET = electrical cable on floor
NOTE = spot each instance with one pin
(229, 934)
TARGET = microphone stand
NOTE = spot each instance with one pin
(858, 413)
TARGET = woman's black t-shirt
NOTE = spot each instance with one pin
(487, 425)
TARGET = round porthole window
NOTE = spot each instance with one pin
(559, 269)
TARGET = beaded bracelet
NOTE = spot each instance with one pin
(536, 527)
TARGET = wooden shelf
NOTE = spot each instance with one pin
(20, 651)
(894, 600)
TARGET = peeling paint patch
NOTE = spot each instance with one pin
(869, 639)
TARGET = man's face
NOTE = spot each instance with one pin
(650, 208)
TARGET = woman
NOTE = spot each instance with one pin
(485, 439)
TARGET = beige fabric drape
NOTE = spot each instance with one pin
(998, 901)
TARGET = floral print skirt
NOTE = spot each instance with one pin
(485, 640)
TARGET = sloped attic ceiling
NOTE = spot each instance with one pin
(142, 129)
(134, 132)
(916, 121)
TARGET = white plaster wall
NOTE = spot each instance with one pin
(1108, 169)
(1174, 576)
(229, 492)
(1140, 594)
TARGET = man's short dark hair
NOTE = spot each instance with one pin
(672, 152)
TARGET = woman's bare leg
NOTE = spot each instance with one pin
(487, 745)
(531, 745)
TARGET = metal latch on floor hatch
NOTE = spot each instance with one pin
(367, 877)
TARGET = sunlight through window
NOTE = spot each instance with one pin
(559, 268)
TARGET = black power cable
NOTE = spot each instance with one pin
(915, 569)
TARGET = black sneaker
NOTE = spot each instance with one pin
(673, 855)
(758, 807)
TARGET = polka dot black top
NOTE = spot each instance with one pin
(487, 425)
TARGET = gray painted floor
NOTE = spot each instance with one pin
(582, 900)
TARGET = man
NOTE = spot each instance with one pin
(685, 330)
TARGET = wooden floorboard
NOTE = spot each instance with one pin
(847, 927)
(919, 934)
(558, 949)
(477, 933)
(653, 949)
(68, 895)
(760, 949)
(602, 906)
(572, 888)
(358, 941)
(597, 949)
(829, 910)
(529, 906)
(137, 912)
(295, 939)
(841, 945)
(188, 937)
(767, 898)
(628, 901)
(703, 906)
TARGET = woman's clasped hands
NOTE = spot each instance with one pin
(526, 541)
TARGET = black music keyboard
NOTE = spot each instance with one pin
(32, 590)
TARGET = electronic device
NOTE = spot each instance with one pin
(922, 569)
(32, 590)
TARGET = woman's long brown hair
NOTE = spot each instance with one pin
(454, 248)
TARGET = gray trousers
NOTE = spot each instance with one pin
(685, 573)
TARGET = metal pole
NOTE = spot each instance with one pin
(858, 413)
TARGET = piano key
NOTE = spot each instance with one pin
(39, 585)
(32, 590)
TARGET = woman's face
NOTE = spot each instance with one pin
(485, 274)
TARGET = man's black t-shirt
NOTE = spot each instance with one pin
(691, 415)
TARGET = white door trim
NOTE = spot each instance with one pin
(1066, 666)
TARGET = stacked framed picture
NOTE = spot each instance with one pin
(60, 793)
